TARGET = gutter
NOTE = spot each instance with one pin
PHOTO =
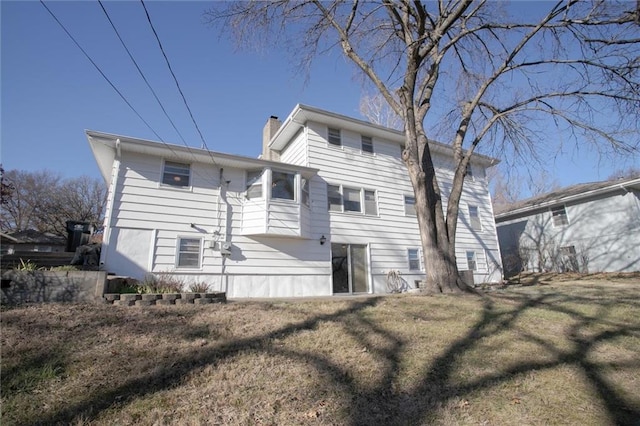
(611, 188)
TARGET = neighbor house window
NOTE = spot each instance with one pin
(334, 137)
(415, 259)
(334, 197)
(370, 204)
(409, 205)
(471, 260)
(283, 185)
(367, 144)
(254, 184)
(189, 252)
(559, 215)
(176, 174)
(474, 218)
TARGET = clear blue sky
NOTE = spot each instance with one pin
(51, 92)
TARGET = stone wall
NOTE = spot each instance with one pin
(20, 287)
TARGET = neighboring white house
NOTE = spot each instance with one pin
(590, 227)
(327, 209)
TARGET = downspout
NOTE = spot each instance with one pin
(227, 230)
(106, 236)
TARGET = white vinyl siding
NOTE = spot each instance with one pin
(189, 253)
(176, 174)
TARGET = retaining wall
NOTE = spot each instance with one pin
(164, 299)
(52, 286)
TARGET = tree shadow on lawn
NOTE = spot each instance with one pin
(384, 403)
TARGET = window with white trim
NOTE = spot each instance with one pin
(176, 174)
(345, 199)
(351, 200)
(189, 252)
(367, 144)
(474, 218)
(333, 137)
(471, 261)
(283, 185)
(409, 205)
(469, 172)
(334, 197)
(305, 191)
(416, 262)
(559, 215)
(254, 184)
(370, 203)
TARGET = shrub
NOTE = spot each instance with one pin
(199, 287)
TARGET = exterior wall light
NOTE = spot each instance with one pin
(323, 240)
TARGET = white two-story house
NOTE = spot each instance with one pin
(327, 209)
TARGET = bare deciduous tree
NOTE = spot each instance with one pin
(484, 73)
(44, 201)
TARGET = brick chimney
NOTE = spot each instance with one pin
(270, 129)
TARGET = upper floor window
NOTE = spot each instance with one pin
(334, 197)
(471, 261)
(189, 252)
(283, 185)
(559, 215)
(305, 191)
(474, 218)
(176, 174)
(409, 205)
(415, 259)
(254, 184)
(370, 203)
(367, 144)
(344, 199)
(334, 137)
(351, 200)
(469, 172)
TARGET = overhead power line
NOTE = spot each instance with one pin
(184, 99)
(141, 73)
(99, 70)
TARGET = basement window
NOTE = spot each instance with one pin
(189, 252)
(415, 259)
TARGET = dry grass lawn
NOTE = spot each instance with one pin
(558, 351)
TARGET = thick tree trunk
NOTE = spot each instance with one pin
(442, 275)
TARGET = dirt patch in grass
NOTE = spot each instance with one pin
(560, 352)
